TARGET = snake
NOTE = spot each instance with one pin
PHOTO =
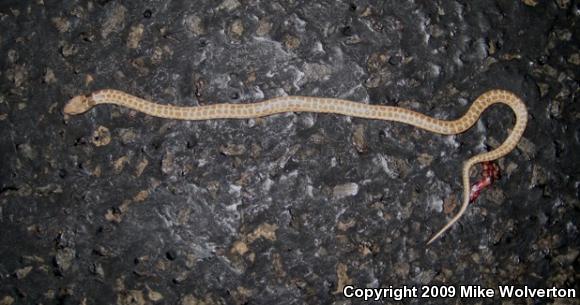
(82, 103)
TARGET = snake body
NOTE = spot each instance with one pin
(82, 103)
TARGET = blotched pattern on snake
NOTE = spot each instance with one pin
(83, 103)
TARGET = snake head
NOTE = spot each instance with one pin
(78, 104)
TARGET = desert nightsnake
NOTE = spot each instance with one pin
(83, 103)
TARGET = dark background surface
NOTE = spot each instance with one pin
(117, 207)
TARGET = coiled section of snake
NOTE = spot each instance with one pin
(80, 104)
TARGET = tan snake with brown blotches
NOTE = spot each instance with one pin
(82, 103)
